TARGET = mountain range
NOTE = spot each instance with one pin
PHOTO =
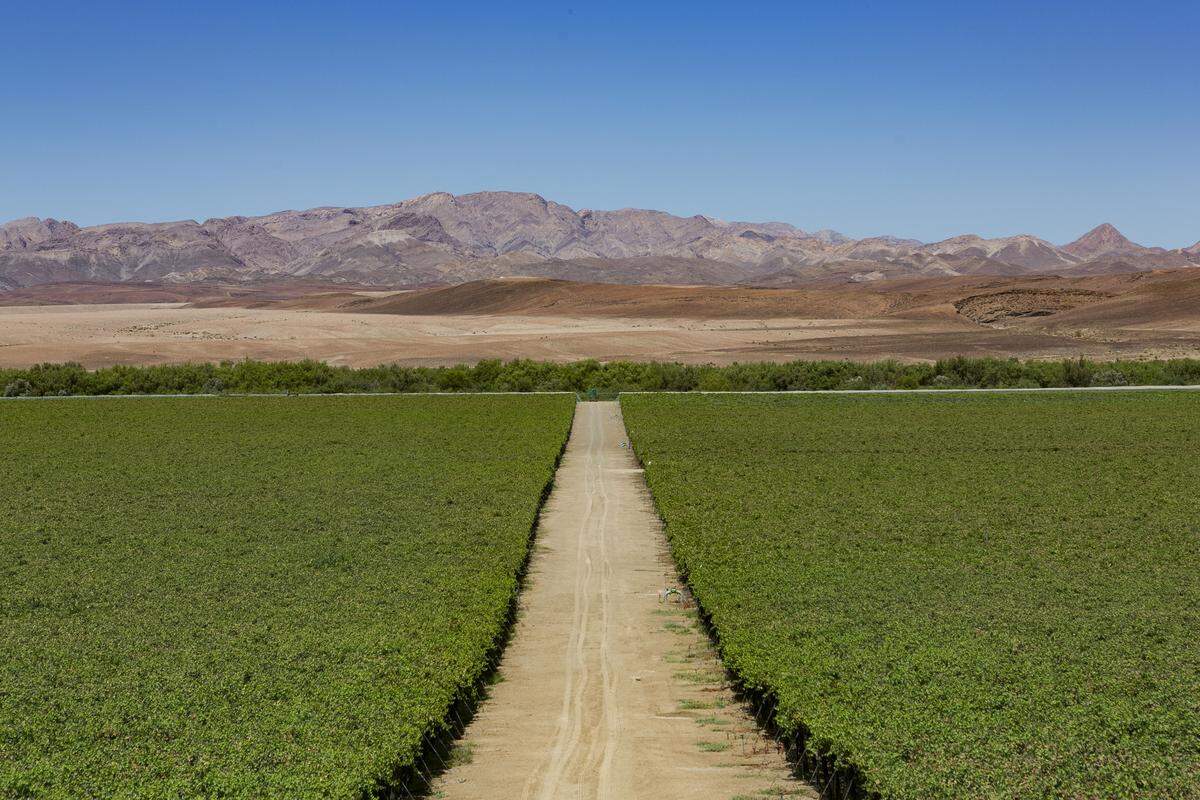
(441, 238)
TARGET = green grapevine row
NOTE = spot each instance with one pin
(260, 597)
(962, 596)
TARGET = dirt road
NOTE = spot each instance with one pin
(607, 691)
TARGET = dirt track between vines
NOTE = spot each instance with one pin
(607, 692)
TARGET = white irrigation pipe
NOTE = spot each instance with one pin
(1155, 388)
(1167, 388)
(273, 394)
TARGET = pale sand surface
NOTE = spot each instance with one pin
(102, 335)
(598, 683)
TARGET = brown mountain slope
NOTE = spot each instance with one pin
(536, 296)
(1104, 239)
(444, 238)
(1141, 298)
(1161, 299)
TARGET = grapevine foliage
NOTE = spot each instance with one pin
(266, 597)
(964, 596)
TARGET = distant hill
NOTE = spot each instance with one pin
(446, 239)
(1103, 240)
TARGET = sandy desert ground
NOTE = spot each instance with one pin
(608, 690)
(1148, 315)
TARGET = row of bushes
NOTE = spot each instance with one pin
(315, 377)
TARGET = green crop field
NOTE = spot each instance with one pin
(965, 596)
(253, 597)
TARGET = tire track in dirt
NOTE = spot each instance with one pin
(577, 672)
(605, 692)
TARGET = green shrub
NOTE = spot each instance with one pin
(1110, 377)
(18, 388)
(523, 375)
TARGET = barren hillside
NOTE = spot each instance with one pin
(441, 238)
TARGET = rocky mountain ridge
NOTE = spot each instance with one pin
(441, 238)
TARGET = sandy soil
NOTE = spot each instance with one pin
(239, 294)
(149, 333)
(607, 692)
(1139, 315)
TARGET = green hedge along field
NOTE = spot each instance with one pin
(965, 596)
(264, 597)
(523, 375)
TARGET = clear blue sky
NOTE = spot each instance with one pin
(917, 119)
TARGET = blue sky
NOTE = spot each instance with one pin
(916, 119)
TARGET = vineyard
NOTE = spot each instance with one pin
(253, 597)
(953, 596)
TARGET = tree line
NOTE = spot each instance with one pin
(587, 377)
